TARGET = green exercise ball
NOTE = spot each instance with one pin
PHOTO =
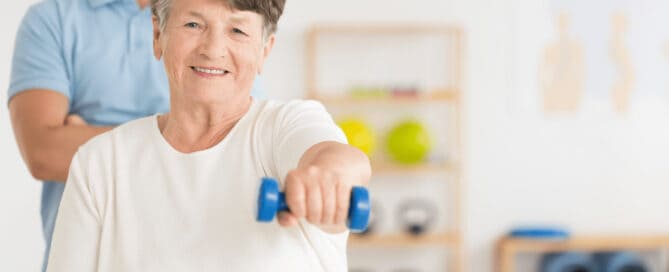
(358, 134)
(408, 142)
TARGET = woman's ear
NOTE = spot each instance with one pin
(267, 48)
(157, 51)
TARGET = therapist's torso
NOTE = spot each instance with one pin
(107, 50)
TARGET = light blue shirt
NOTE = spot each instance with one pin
(98, 53)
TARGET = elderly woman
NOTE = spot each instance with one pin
(176, 192)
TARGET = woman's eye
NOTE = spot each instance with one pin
(192, 25)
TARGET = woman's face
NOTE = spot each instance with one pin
(211, 53)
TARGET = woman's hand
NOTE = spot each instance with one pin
(319, 195)
(319, 189)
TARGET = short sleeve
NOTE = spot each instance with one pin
(38, 60)
(299, 126)
(76, 236)
(330, 247)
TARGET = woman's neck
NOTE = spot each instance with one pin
(189, 128)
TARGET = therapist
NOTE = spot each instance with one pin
(79, 68)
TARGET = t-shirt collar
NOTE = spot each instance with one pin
(97, 3)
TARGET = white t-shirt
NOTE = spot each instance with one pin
(133, 203)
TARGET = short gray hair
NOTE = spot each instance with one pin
(270, 10)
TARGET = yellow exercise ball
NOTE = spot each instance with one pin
(409, 142)
(359, 134)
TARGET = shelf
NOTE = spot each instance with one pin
(508, 247)
(385, 28)
(585, 243)
(402, 240)
(384, 168)
(437, 97)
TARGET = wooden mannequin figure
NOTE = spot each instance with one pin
(562, 71)
(620, 53)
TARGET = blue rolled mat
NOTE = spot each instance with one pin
(620, 261)
(568, 262)
(539, 232)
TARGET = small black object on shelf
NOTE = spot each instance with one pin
(416, 215)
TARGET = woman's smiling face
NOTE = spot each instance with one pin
(211, 53)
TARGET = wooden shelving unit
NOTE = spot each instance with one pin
(508, 248)
(433, 97)
(447, 96)
(404, 240)
(399, 169)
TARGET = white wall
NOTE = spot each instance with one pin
(592, 172)
(20, 226)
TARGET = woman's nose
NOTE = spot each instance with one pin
(214, 45)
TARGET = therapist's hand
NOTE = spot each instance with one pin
(75, 120)
(319, 195)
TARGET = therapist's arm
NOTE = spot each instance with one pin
(76, 236)
(46, 142)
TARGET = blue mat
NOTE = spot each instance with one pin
(539, 232)
(620, 261)
(568, 262)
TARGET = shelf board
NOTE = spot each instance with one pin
(402, 240)
(586, 243)
(395, 168)
(386, 27)
(437, 97)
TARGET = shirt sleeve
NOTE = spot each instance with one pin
(76, 237)
(301, 125)
(330, 248)
(38, 61)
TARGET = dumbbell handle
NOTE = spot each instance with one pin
(272, 201)
(283, 205)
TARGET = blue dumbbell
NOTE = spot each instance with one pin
(271, 201)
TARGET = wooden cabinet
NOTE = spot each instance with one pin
(508, 248)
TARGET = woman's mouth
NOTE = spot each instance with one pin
(209, 72)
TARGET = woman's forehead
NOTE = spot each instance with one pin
(222, 12)
(208, 7)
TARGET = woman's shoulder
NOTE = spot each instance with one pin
(126, 135)
(278, 107)
(279, 113)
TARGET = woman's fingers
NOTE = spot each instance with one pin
(287, 219)
(329, 196)
(296, 194)
(319, 196)
(314, 203)
(342, 203)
